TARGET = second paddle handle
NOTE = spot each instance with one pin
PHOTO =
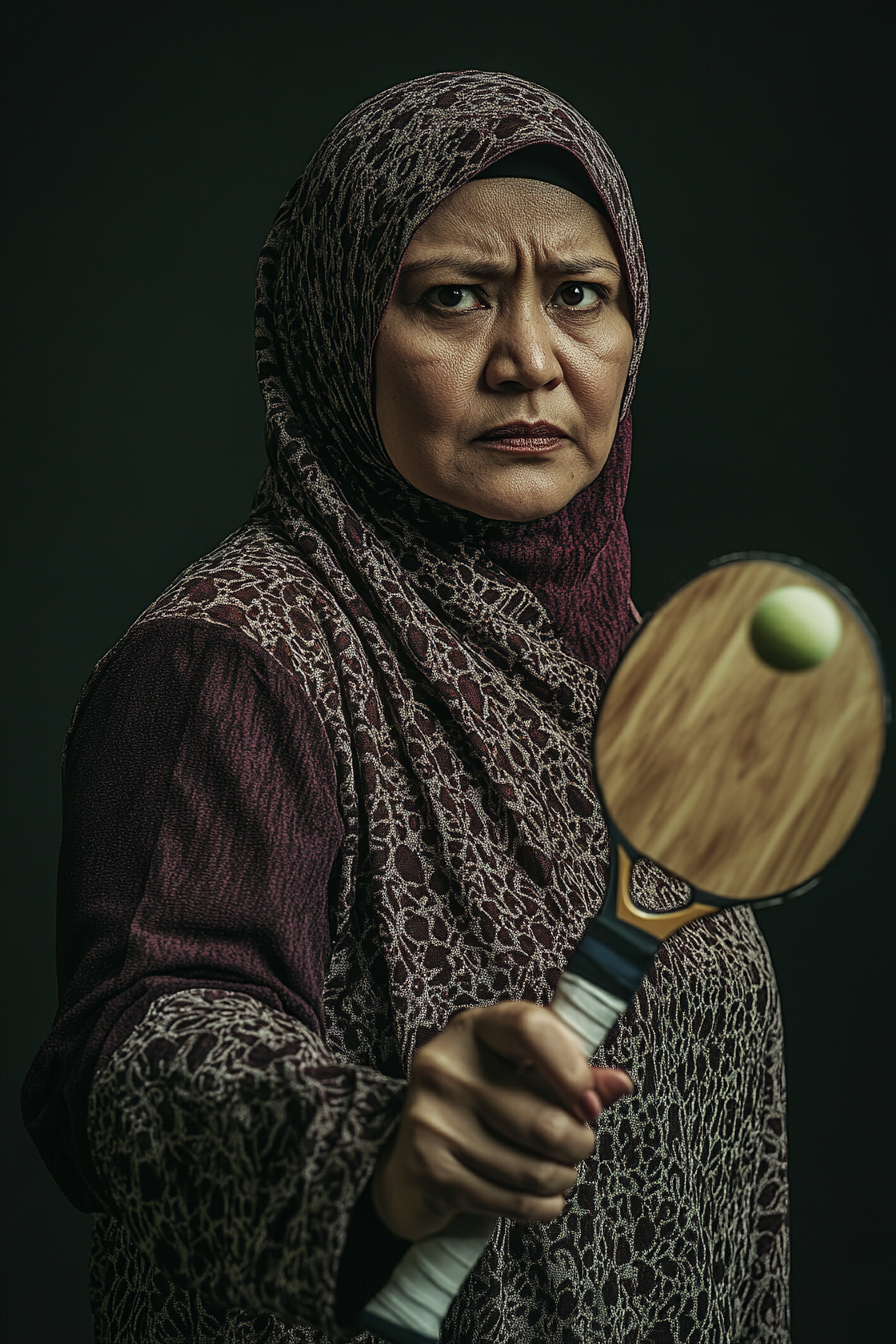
(411, 1307)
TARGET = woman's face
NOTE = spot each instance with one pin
(500, 364)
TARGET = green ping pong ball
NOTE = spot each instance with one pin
(795, 628)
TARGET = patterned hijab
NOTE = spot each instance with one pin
(469, 718)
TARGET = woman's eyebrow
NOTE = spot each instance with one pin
(489, 269)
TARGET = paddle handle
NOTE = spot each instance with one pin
(602, 978)
(411, 1307)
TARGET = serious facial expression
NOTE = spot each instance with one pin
(500, 364)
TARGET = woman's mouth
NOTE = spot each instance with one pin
(525, 437)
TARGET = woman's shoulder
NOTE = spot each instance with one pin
(254, 578)
(250, 616)
(257, 586)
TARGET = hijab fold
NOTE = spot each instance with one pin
(324, 282)
(475, 650)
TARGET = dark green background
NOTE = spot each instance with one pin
(148, 146)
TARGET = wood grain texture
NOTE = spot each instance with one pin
(741, 779)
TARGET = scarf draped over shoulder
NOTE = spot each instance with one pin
(469, 715)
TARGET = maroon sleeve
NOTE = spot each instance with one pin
(200, 829)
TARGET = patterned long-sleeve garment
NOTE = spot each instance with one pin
(235, 1030)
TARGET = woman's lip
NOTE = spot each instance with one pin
(525, 443)
(525, 436)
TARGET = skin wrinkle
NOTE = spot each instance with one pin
(477, 266)
(442, 379)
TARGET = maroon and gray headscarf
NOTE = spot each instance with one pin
(469, 716)
(325, 279)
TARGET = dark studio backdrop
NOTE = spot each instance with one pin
(148, 146)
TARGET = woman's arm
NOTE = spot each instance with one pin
(234, 1149)
(200, 831)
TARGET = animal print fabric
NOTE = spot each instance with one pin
(235, 1149)
(679, 1223)
(475, 852)
(637, 1255)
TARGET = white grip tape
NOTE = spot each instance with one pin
(589, 1011)
(423, 1285)
(426, 1281)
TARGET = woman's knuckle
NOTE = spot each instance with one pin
(531, 1019)
(416, 1111)
(439, 1072)
(544, 1179)
(427, 1135)
(548, 1128)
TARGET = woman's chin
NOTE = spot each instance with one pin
(512, 491)
(524, 507)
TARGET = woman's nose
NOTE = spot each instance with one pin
(522, 352)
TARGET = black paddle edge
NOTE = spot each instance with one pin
(616, 837)
(698, 895)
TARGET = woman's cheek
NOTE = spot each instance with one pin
(438, 391)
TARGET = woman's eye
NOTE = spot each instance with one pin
(459, 298)
(578, 295)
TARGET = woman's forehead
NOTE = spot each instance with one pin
(491, 217)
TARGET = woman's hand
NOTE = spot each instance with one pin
(494, 1121)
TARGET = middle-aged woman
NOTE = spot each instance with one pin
(330, 833)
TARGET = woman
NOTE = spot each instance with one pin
(330, 830)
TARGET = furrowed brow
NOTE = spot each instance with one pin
(457, 265)
(482, 270)
(582, 266)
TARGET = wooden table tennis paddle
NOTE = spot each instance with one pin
(740, 777)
